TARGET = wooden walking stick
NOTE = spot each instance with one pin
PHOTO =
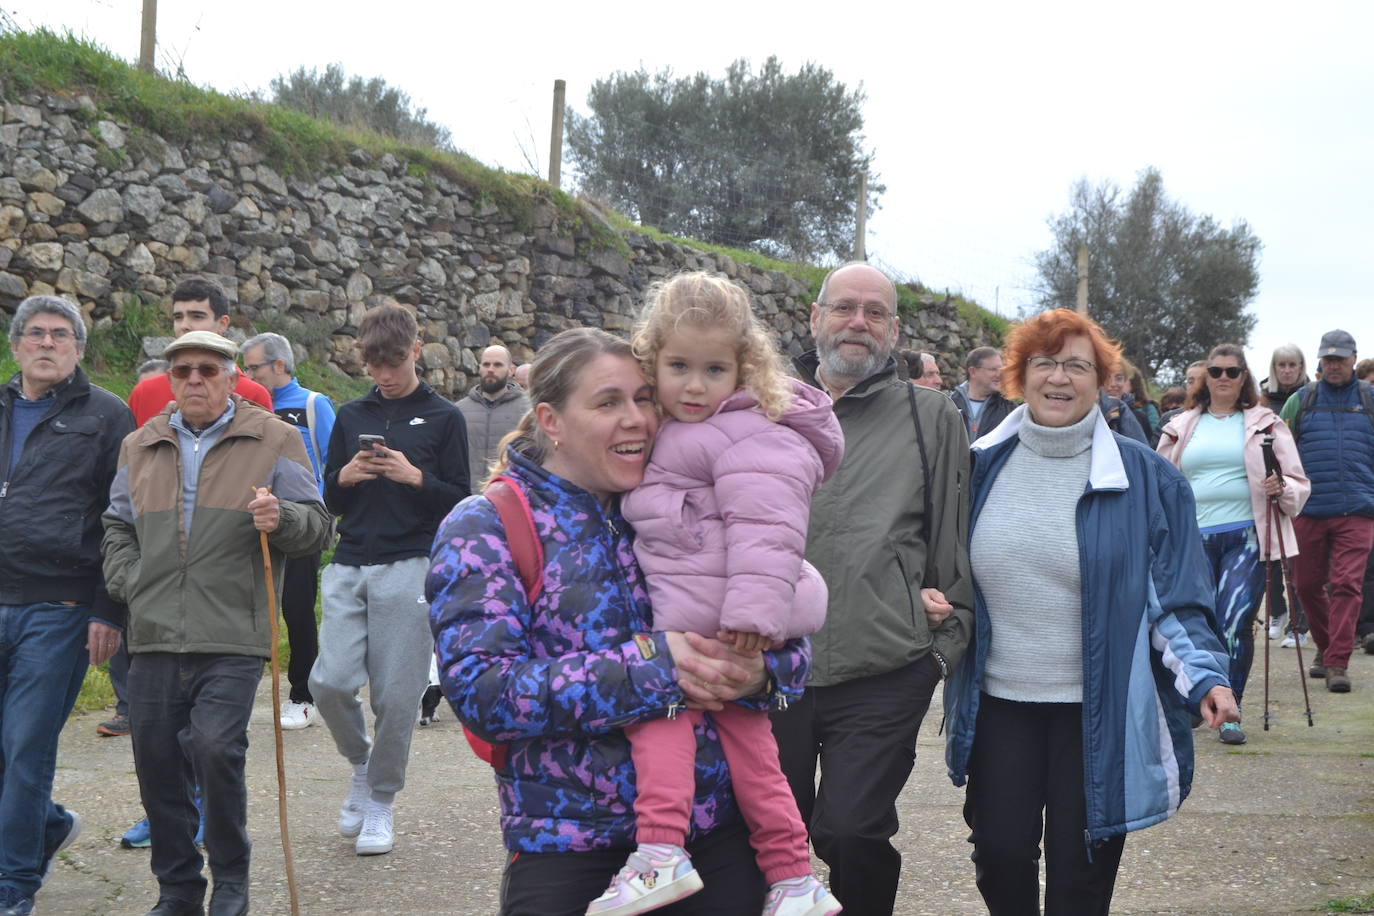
(276, 717)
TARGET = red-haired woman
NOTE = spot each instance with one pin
(1069, 717)
(1216, 443)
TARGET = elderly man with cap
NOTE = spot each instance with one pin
(194, 487)
(1333, 422)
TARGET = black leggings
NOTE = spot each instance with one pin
(300, 584)
(563, 883)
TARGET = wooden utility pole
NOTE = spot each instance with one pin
(148, 43)
(861, 219)
(556, 134)
(1082, 305)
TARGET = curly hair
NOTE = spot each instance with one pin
(702, 300)
(1044, 335)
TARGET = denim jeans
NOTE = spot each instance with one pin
(42, 663)
(189, 718)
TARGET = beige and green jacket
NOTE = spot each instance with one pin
(208, 593)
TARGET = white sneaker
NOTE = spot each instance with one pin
(1289, 643)
(376, 837)
(297, 715)
(654, 876)
(1277, 626)
(355, 805)
(800, 897)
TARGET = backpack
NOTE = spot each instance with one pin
(1308, 401)
(528, 553)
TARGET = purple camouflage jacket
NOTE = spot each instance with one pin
(720, 520)
(558, 681)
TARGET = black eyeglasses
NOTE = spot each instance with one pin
(1231, 371)
(206, 370)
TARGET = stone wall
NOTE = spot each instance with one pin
(94, 211)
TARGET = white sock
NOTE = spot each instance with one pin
(799, 881)
(660, 850)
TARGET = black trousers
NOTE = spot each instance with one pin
(1278, 599)
(563, 883)
(863, 734)
(300, 583)
(1025, 779)
(189, 717)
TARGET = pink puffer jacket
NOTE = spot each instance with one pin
(720, 520)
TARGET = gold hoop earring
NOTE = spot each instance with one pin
(556, 444)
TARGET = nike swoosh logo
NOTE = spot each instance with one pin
(417, 421)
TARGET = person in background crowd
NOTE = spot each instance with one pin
(182, 548)
(554, 681)
(1192, 377)
(1333, 421)
(522, 375)
(197, 305)
(1094, 639)
(977, 397)
(59, 444)
(271, 362)
(1287, 374)
(150, 368)
(1217, 444)
(887, 531)
(1172, 399)
(1146, 410)
(923, 370)
(397, 462)
(1364, 627)
(492, 408)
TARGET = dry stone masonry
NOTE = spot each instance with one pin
(96, 210)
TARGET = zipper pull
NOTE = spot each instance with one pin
(4, 488)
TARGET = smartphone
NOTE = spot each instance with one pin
(367, 442)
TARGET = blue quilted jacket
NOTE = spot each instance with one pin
(1336, 444)
(1150, 647)
(557, 681)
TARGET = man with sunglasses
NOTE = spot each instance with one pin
(182, 549)
(197, 305)
(59, 438)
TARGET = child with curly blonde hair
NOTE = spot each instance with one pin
(720, 524)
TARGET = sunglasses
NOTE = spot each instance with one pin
(1231, 371)
(206, 370)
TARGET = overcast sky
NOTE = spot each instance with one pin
(981, 115)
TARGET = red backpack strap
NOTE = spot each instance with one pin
(528, 553)
(516, 518)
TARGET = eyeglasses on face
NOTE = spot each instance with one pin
(58, 335)
(873, 314)
(182, 371)
(254, 367)
(1231, 371)
(1073, 366)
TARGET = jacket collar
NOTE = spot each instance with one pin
(421, 392)
(70, 388)
(509, 393)
(809, 362)
(249, 419)
(1107, 471)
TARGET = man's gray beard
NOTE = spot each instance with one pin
(492, 386)
(838, 369)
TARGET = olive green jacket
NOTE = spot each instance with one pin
(207, 594)
(868, 538)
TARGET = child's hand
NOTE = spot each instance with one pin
(937, 608)
(746, 643)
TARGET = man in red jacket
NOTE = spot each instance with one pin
(197, 305)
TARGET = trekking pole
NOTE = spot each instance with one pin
(276, 717)
(1271, 466)
(1268, 598)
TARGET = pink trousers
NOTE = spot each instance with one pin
(664, 753)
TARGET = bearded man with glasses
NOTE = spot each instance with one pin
(887, 532)
(195, 485)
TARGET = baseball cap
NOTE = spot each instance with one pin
(1336, 343)
(208, 340)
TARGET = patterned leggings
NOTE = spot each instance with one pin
(1239, 577)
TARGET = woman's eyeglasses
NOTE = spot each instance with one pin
(1231, 371)
(206, 370)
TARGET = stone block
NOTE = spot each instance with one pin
(13, 286)
(245, 209)
(104, 205)
(24, 114)
(32, 176)
(143, 204)
(140, 260)
(42, 255)
(110, 134)
(12, 222)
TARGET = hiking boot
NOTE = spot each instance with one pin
(377, 835)
(1369, 644)
(647, 881)
(1230, 733)
(1318, 670)
(804, 896)
(1336, 680)
(117, 727)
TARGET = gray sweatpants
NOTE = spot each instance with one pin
(375, 630)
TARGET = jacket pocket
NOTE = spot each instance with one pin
(912, 598)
